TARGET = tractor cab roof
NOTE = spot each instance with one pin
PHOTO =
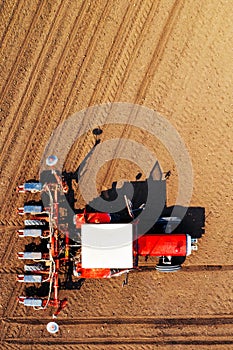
(107, 246)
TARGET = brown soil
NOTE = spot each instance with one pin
(173, 56)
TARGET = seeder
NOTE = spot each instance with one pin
(102, 245)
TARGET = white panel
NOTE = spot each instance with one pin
(107, 246)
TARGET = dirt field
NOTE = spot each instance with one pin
(173, 56)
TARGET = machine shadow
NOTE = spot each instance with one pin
(192, 223)
(152, 212)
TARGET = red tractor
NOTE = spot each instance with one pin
(103, 248)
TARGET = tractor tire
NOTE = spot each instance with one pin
(168, 268)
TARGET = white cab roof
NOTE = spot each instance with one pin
(107, 246)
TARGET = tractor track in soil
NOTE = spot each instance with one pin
(186, 320)
(38, 123)
(159, 50)
(173, 340)
(214, 18)
(122, 341)
(123, 52)
(185, 330)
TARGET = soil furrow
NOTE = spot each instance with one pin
(25, 42)
(188, 320)
(123, 341)
(9, 248)
(132, 28)
(36, 71)
(9, 16)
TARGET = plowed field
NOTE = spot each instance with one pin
(172, 56)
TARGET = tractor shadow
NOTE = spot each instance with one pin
(151, 193)
(193, 218)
